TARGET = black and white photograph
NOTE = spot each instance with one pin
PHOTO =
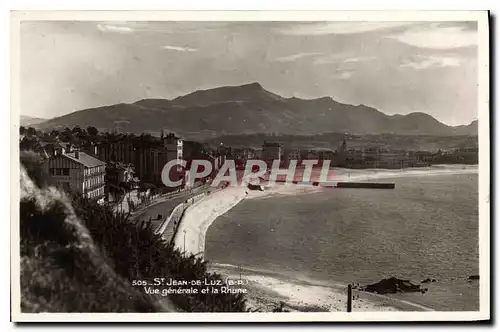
(278, 166)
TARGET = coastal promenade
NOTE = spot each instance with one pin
(170, 224)
(164, 206)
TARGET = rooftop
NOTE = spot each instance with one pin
(84, 159)
(271, 144)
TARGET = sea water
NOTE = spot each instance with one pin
(427, 227)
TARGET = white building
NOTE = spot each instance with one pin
(78, 172)
(174, 148)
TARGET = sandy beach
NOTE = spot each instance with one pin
(190, 237)
(267, 290)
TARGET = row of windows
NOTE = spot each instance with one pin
(90, 182)
(96, 192)
(93, 170)
(59, 171)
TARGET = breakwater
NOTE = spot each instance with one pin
(367, 185)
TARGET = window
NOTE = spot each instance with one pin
(52, 171)
(66, 171)
(58, 171)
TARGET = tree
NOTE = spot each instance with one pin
(31, 131)
(66, 135)
(92, 130)
(76, 129)
(22, 130)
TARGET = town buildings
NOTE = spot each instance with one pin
(174, 149)
(147, 154)
(120, 174)
(79, 172)
(293, 154)
(271, 151)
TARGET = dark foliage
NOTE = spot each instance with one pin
(138, 254)
(61, 271)
(32, 163)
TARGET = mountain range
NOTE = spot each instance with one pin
(250, 109)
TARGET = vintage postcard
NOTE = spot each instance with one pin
(250, 166)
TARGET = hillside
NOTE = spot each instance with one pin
(250, 109)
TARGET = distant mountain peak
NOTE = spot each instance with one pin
(249, 109)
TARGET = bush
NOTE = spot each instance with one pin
(62, 270)
(138, 254)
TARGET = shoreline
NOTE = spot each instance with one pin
(268, 290)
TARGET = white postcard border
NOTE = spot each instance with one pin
(484, 161)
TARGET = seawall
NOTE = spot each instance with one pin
(169, 226)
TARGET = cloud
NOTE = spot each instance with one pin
(346, 75)
(294, 57)
(424, 62)
(179, 48)
(104, 27)
(345, 58)
(332, 58)
(440, 36)
(326, 28)
(343, 75)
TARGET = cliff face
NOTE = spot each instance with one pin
(251, 109)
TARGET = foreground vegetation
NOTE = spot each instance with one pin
(78, 256)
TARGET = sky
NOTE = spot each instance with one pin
(396, 67)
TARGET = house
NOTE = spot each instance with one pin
(174, 147)
(79, 172)
(119, 173)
